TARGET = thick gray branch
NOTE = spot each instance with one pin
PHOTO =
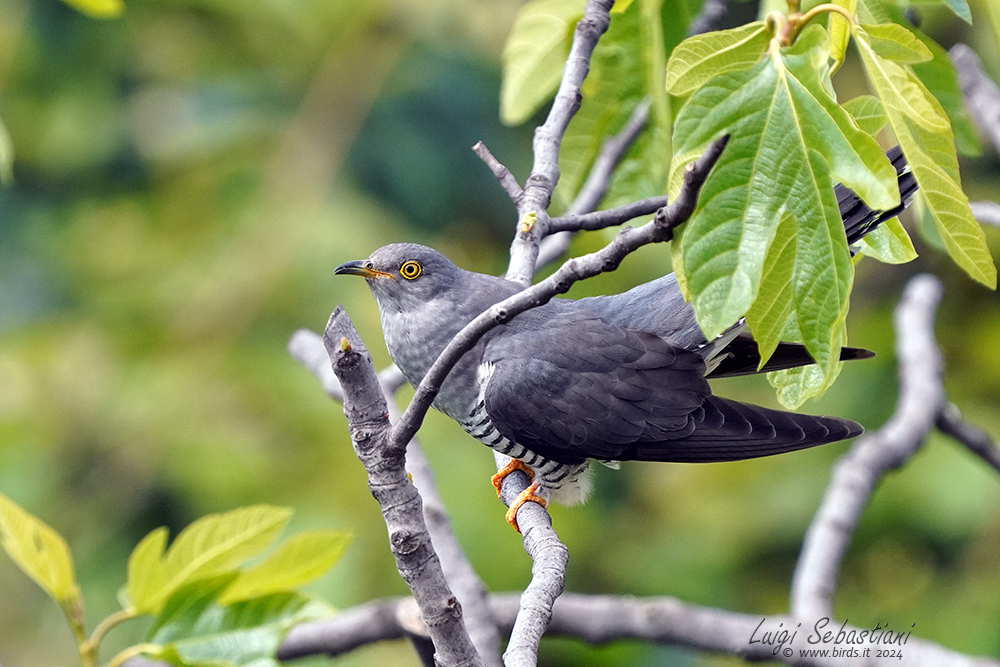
(982, 97)
(600, 619)
(308, 347)
(384, 459)
(548, 138)
(921, 398)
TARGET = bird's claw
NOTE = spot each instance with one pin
(528, 495)
(511, 466)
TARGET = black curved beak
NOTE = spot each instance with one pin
(359, 268)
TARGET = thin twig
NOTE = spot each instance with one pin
(921, 397)
(982, 97)
(595, 186)
(500, 172)
(608, 218)
(950, 422)
(548, 138)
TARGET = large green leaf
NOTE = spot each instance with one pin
(198, 631)
(297, 561)
(535, 55)
(212, 545)
(625, 70)
(922, 129)
(39, 551)
(699, 58)
(789, 139)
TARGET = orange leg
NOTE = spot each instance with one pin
(527, 495)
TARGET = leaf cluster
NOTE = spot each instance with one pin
(208, 606)
(766, 242)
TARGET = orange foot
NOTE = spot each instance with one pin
(525, 496)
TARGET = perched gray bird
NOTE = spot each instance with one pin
(612, 378)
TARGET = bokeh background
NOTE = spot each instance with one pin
(187, 176)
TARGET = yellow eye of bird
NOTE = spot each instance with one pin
(410, 270)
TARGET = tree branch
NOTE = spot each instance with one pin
(607, 218)
(921, 398)
(600, 619)
(384, 459)
(548, 139)
(307, 346)
(500, 172)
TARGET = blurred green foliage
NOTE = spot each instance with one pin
(186, 177)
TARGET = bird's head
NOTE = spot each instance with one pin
(404, 276)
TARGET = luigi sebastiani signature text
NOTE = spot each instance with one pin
(826, 640)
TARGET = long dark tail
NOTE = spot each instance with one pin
(732, 431)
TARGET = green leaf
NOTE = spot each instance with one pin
(246, 633)
(626, 68)
(896, 43)
(796, 385)
(840, 30)
(923, 131)
(699, 58)
(298, 560)
(867, 112)
(535, 55)
(98, 9)
(39, 551)
(785, 130)
(941, 79)
(146, 575)
(889, 243)
(212, 545)
(961, 9)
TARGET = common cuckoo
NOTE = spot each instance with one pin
(613, 378)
